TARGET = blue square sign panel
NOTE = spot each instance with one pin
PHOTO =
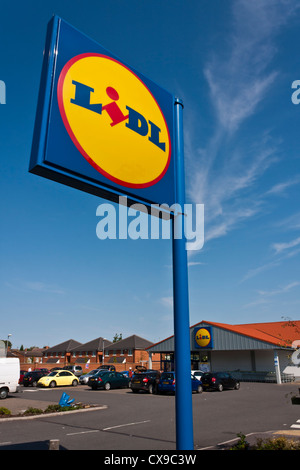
(101, 126)
(203, 337)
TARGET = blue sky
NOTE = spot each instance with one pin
(233, 64)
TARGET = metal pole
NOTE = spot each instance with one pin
(102, 351)
(183, 396)
(277, 367)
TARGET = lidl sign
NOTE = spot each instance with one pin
(101, 126)
(203, 338)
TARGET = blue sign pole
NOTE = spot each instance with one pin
(183, 396)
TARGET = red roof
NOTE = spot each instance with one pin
(278, 333)
(281, 334)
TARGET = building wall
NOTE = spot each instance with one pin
(264, 361)
(230, 360)
(89, 360)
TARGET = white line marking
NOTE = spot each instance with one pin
(128, 424)
(82, 432)
(297, 426)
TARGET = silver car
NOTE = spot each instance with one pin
(83, 379)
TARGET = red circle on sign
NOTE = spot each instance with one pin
(113, 94)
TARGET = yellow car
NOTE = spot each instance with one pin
(58, 378)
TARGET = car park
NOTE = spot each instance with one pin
(106, 367)
(22, 373)
(125, 372)
(219, 381)
(59, 378)
(32, 378)
(197, 373)
(83, 379)
(146, 381)
(108, 379)
(167, 383)
(76, 370)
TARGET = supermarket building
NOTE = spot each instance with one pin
(257, 351)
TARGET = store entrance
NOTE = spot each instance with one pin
(200, 360)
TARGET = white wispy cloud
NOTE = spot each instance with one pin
(167, 301)
(35, 286)
(265, 297)
(291, 222)
(280, 247)
(239, 78)
(280, 188)
(282, 252)
(280, 290)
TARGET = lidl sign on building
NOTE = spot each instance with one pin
(101, 126)
(203, 338)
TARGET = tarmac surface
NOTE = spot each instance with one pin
(18, 406)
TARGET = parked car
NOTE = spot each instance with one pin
(83, 379)
(9, 376)
(59, 378)
(167, 383)
(32, 378)
(219, 381)
(107, 379)
(146, 381)
(197, 373)
(106, 367)
(125, 372)
(22, 373)
(76, 370)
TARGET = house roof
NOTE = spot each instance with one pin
(93, 345)
(66, 346)
(132, 342)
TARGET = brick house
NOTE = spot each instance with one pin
(59, 355)
(126, 353)
(123, 354)
(129, 352)
(90, 355)
(29, 360)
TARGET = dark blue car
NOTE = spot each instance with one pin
(167, 383)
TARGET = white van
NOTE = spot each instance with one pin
(9, 376)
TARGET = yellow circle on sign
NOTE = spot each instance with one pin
(202, 337)
(114, 120)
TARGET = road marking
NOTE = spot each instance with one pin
(82, 432)
(5, 443)
(128, 424)
(106, 429)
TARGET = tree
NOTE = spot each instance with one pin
(117, 337)
(7, 343)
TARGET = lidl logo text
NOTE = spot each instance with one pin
(114, 120)
(203, 337)
(136, 121)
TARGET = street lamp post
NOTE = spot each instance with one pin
(104, 339)
(8, 336)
